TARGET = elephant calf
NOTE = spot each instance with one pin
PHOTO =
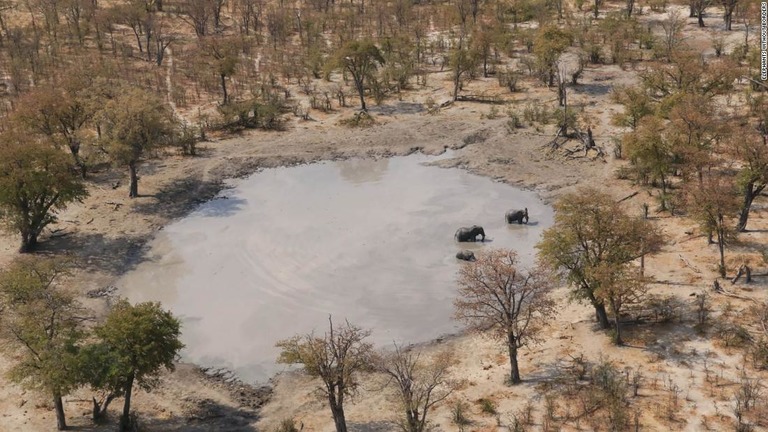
(517, 216)
(466, 255)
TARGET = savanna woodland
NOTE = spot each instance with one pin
(644, 123)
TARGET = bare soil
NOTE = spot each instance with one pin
(108, 234)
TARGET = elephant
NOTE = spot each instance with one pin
(466, 255)
(469, 234)
(517, 216)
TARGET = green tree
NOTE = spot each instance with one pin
(221, 55)
(636, 104)
(134, 123)
(361, 59)
(336, 358)
(463, 62)
(713, 202)
(751, 148)
(494, 294)
(650, 151)
(550, 43)
(593, 238)
(36, 181)
(135, 343)
(42, 324)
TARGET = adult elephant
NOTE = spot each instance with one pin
(518, 216)
(466, 255)
(469, 234)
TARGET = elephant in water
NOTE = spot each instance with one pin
(469, 234)
(466, 255)
(517, 216)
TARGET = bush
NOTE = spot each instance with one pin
(487, 406)
(287, 425)
(459, 414)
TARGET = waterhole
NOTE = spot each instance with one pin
(366, 240)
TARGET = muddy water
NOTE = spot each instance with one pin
(367, 240)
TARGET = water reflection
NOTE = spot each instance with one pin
(358, 171)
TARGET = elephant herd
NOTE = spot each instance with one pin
(470, 234)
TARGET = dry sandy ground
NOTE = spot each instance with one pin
(108, 233)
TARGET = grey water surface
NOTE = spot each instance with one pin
(366, 240)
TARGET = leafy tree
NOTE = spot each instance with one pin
(650, 152)
(36, 180)
(360, 59)
(420, 384)
(42, 324)
(636, 104)
(550, 43)
(713, 202)
(695, 130)
(620, 286)
(134, 123)
(750, 146)
(593, 238)
(463, 61)
(62, 112)
(336, 358)
(221, 55)
(135, 343)
(494, 294)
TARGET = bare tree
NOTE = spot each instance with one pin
(336, 358)
(420, 384)
(495, 295)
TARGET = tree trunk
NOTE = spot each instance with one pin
(61, 420)
(701, 18)
(134, 184)
(338, 416)
(728, 17)
(721, 244)
(602, 316)
(359, 85)
(617, 325)
(28, 242)
(100, 409)
(224, 88)
(750, 192)
(514, 375)
(125, 419)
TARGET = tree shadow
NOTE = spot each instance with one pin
(180, 197)
(96, 252)
(375, 426)
(207, 415)
(592, 89)
(398, 108)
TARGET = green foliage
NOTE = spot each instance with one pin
(636, 104)
(135, 343)
(41, 324)
(649, 151)
(141, 339)
(36, 181)
(361, 58)
(253, 113)
(550, 42)
(459, 413)
(487, 406)
(593, 244)
(287, 425)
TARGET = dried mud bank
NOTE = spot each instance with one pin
(108, 232)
